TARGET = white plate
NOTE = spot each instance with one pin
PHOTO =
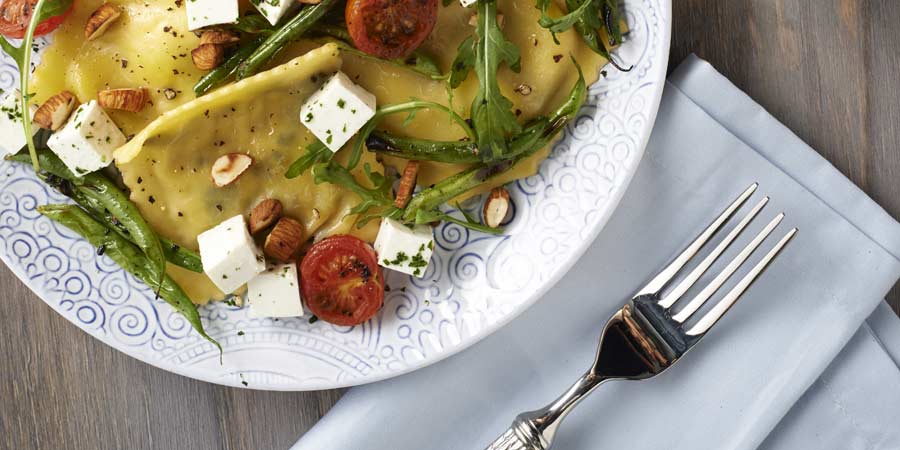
(475, 285)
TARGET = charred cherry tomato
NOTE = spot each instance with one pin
(390, 28)
(341, 280)
(16, 14)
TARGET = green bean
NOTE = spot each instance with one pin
(73, 186)
(274, 43)
(223, 73)
(129, 257)
(462, 152)
(446, 190)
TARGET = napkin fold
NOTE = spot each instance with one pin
(742, 382)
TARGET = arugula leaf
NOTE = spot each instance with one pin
(567, 21)
(588, 18)
(462, 65)
(423, 217)
(316, 153)
(378, 196)
(491, 112)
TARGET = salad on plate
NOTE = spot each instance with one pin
(284, 154)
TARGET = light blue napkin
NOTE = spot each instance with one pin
(741, 383)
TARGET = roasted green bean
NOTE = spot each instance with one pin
(224, 72)
(274, 43)
(129, 257)
(73, 186)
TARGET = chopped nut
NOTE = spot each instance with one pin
(407, 184)
(100, 20)
(229, 168)
(130, 99)
(52, 115)
(523, 89)
(309, 2)
(496, 207)
(264, 215)
(208, 56)
(170, 94)
(219, 37)
(285, 240)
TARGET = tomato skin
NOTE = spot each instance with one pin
(390, 28)
(16, 14)
(341, 280)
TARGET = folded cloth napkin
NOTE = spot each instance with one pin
(710, 141)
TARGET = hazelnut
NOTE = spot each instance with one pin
(52, 115)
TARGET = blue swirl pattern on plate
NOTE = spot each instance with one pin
(475, 284)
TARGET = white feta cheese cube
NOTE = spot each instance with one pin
(273, 10)
(337, 111)
(467, 3)
(203, 13)
(275, 292)
(229, 255)
(12, 135)
(404, 249)
(86, 142)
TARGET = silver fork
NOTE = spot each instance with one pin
(646, 337)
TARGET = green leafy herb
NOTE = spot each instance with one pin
(491, 112)
(377, 197)
(589, 18)
(463, 63)
(316, 153)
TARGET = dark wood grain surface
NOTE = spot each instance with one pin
(828, 69)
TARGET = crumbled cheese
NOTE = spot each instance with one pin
(229, 255)
(87, 141)
(337, 111)
(12, 135)
(275, 292)
(203, 13)
(404, 249)
(467, 3)
(273, 10)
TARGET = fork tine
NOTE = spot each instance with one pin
(732, 296)
(726, 273)
(698, 271)
(664, 277)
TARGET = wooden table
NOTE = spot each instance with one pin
(826, 68)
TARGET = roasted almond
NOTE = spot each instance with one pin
(208, 56)
(309, 2)
(52, 115)
(496, 207)
(129, 99)
(219, 37)
(100, 20)
(266, 213)
(285, 240)
(407, 184)
(229, 168)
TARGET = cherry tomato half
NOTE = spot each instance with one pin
(390, 28)
(341, 280)
(16, 14)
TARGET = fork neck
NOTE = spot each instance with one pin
(541, 425)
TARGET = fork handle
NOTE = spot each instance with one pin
(538, 427)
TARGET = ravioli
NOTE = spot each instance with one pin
(166, 165)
